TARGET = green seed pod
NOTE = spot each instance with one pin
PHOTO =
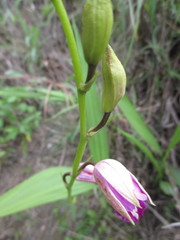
(97, 21)
(114, 80)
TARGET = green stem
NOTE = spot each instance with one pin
(61, 11)
(78, 157)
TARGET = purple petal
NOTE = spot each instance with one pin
(138, 191)
(122, 189)
(128, 205)
(119, 177)
(86, 175)
(112, 196)
(136, 214)
(142, 209)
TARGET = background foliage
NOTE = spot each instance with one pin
(39, 120)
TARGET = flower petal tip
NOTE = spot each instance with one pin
(133, 223)
(151, 202)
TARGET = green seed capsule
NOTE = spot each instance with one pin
(114, 80)
(97, 21)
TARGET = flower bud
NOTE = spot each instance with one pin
(122, 189)
(114, 80)
(97, 21)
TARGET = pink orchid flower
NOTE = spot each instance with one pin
(121, 188)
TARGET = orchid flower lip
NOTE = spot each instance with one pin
(83, 165)
(85, 172)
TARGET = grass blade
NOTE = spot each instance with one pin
(84, 65)
(137, 123)
(98, 144)
(142, 148)
(35, 93)
(174, 141)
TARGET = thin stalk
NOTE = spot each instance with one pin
(78, 157)
(61, 11)
(101, 124)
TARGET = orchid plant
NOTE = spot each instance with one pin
(120, 187)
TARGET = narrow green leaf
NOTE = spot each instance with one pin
(175, 174)
(98, 144)
(142, 147)
(36, 93)
(44, 187)
(137, 123)
(174, 141)
(80, 49)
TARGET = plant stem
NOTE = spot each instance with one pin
(61, 11)
(79, 154)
